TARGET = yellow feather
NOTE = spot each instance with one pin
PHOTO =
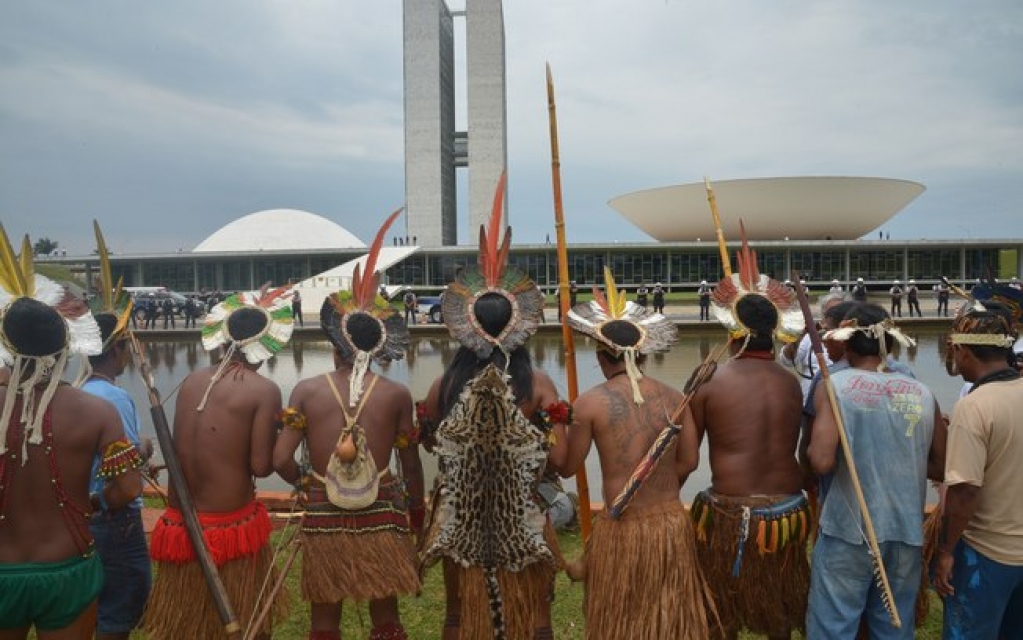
(11, 277)
(105, 278)
(28, 269)
(615, 301)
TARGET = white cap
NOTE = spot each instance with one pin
(896, 281)
(835, 281)
(703, 282)
(912, 281)
(859, 279)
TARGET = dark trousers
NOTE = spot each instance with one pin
(896, 307)
(914, 304)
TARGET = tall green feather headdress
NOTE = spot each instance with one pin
(35, 370)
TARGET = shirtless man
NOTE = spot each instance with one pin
(357, 537)
(753, 521)
(225, 425)
(50, 575)
(363, 554)
(641, 572)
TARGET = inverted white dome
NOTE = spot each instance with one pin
(801, 208)
(279, 230)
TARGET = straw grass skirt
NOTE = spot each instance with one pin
(643, 579)
(180, 605)
(769, 594)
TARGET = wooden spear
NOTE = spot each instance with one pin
(868, 525)
(582, 484)
(726, 264)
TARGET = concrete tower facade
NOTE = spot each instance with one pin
(433, 148)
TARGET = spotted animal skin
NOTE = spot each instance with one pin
(492, 459)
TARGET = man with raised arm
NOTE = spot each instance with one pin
(357, 537)
(752, 523)
(50, 432)
(225, 425)
(897, 439)
(641, 573)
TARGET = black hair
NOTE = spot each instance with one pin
(758, 315)
(996, 319)
(364, 331)
(493, 312)
(107, 322)
(837, 313)
(865, 315)
(246, 322)
(623, 334)
(34, 328)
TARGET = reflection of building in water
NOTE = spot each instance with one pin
(297, 350)
(191, 355)
(170, 357)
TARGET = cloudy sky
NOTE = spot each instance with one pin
(168, 120)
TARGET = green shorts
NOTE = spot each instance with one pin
(49, 595)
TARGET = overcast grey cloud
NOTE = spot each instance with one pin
(168, 120)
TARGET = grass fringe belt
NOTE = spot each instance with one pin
(642, 577)
(180, 605)
(753, 551)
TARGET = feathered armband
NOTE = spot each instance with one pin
(292, 418)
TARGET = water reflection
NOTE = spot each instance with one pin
(173, 360)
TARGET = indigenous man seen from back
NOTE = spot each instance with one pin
(897, 439)
(489, 419)
(225, 424)
(357, 536)
(979, 565)
(641, 573)
(50, 432)
(752, 523)
(119, 532)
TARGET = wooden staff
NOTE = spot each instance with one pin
(184, 496)
(726, 264)
(567, 338)
(818, 349)
(667, 436)
(264, 611)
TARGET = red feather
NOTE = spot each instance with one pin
(598, 297)
(491, 259)
(364, 288)
(749, 275)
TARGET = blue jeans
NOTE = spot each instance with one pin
(842, 588)
(988, 595)
(127, 577)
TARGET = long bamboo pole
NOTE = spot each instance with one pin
(726, 264)
(868, 525)
(581, 481)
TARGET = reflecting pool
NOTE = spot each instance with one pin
(172, 360)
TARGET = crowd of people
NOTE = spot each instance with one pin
(840, 462)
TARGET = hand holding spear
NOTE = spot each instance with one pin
(868, 525)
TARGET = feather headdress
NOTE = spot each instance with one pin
(261, 340)
(384, 339)
(493, 276)
(972, 326)
(24, 294)
(749, 281)
(113, 299)
(876, 331)
(653, 332)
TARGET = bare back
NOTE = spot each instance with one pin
(623, 432)
(34, 528)
(384, 412)
(751, 411)
(231, 441)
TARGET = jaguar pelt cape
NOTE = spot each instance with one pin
(486, 516)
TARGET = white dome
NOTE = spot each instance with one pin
(279, 230)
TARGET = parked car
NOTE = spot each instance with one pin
(428, 308)
(142, 294)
